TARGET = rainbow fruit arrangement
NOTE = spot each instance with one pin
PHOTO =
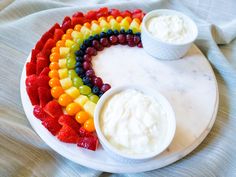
(61, 83)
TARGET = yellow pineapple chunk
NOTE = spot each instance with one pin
(63, 73)
(64, 51)
(66, 83)
(73, 92)
(62, 63)
(81, 100)
(69, 43)
(89, 107)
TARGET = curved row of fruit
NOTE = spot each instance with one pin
(57, 61)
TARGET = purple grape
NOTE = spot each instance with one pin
(90, 73)
(129, 37)
(87, 57)
(131, 43)
(140, 45)
(113, 39)
(105, 87)
(136, 39)
(97, 81)
(91, 51)
(104, 42)
(121, 38)
(95, 44)
(87, 65)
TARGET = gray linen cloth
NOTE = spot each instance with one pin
(23, 153)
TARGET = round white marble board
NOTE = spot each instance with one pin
(189, 84)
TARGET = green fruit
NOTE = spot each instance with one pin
(94, 98)
(85, 90)
(74, 47)
(77, 82)
(70, 63)
(72, 74)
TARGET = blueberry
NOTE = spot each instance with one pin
(110, 32)
(129, 31)
(95, 90)
(96, 37)
(91, 38)
(122, 31)
(83, 47)
(103, 34)
(78, 64)
(79, 70)
(79, 58)
(100, 93)
(90, 84)
(87, 43)
(116, 32)
(79, 53)
(86, 80)
(138, 34)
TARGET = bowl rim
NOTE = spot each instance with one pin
(166, 12)
(162, 99)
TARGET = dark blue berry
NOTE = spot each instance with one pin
(83, 47)
(91, 38)
(129, 31)
(116, 32)
(78, 64)
(122, 31)
(79, 70)
(90, 84)
(138, 34)
(79, 58)
(96, 37)
(95, 90)
(110, 32)
(87, 43)
(100, 93)
(79, 53)
(86, 80)
(103, 34)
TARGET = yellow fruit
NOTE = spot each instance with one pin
(62, 63)
(81, 100)
(69, 43)
(63, 73)
(89, 107)
(64, 51)
(66, 83)
(73, 92)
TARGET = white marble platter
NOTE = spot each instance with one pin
(189, 84)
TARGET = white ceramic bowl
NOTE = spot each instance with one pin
(170, 123)
(166, 50)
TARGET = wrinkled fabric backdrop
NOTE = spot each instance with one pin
(23, 153)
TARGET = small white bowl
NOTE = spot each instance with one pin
(170, 123)
(165, 50)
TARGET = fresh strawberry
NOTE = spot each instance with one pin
(77, 20)
(31, 81)
(46, 36)
(53, 28)
(67, 134)
(34, 53)
(44, 72)
(44, 95)
(66, 19)
(78, 14)
(43, 80)
(40, 64)
(90, 142)
(136, 11)
(30, 68)
(39, 45)
(103, 11)
(114, 12)
(39, 113)
(65, 26)
(52, 125)
(58, 34)
(53, 109)
(91, 15)
(126, 13)
(32, 92)
(70, 121)
(139, 15)
(84, 133)
(48, 46)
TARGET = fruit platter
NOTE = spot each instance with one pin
(76, 63)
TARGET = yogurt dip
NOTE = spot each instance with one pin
(133, 122)
(170, 28)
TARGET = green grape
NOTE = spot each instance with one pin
(75, 47)
(80, 41)
(72, 74)
(85, 90)
(70, 63)
(95, 29)
(77, 81)
(94, 98)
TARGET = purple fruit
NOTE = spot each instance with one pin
(136, 39)
(129, 37)
(113, 39)
(121, 38)
(87, 65)
(97, 81)
(140, 45)
(90, 73)
(104, 42)
(87, 57)
(131, 43)
(105, 87)
(91, 51)
(95, 44)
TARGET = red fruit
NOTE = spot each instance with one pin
(39, 45)
(70, 121)
(66, 19)
(34, 53)
(78, 14)
(48, 46)
(30, 68)
(126, 13)
(41, 64)
(140, 45)
(136, 11)
(31, 81)
(39, 113)
(58, 34)
(53, 28)
(46, 36)
(90, 143)
(65, 26)
(84, 133)
(114, 12)
(77, 20)
(52, 125)
(138, 15)
(44, 72)
(87, 65)
(113, 39)
(103, 11)
(105, 87)
(43, 80)
(67, 135)
(97, 81)
(32, 92)
(53, 109)
(87, 57)
(44, 95)
(91, 15)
